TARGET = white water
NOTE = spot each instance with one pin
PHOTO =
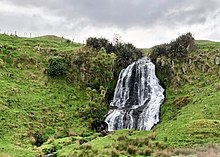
(137, 98)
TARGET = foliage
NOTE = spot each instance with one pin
(175, 49)
(56, 66)
(30, 102)
(102, 67)
(96, 108)
(91, 68)
(68, 41)
(98, 43)
(126, 52)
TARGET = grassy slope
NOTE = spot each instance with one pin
(189, 118)
(30, 101)
(199, 121)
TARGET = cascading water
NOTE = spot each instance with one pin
(137, 98)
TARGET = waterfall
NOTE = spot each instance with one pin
(137, 98)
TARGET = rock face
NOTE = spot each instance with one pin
(137, 98)
(217, 60)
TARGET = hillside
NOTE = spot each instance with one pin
(35, 106)
(31, 103)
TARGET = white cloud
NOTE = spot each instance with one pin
(141, 22)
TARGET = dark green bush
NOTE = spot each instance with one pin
(68, 41)
(98, 43)
(57, 66)
(178, 48)
(126, 52)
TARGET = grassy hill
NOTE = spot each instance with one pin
(31, 103)
(34, 106)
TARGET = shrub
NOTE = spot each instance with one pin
(160, 50)
(178, 48)
(126, 52)
(95, 111)
(68, 41)
(56, 67)
(90, 67)
(98, 43)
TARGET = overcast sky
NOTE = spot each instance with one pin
(141, 22)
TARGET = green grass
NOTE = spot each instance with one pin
(32, 103)
(7, 149)
(207, 45)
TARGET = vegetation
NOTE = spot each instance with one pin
(126, 52)
(56, 66)
(62, 115)
(175, 49)
(90, 68)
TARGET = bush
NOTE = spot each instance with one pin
(126, 52)
(98, 43)
(95, 111)
(178, 48)
(68, 41)
(57, 66)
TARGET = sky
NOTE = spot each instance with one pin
(143, 23)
